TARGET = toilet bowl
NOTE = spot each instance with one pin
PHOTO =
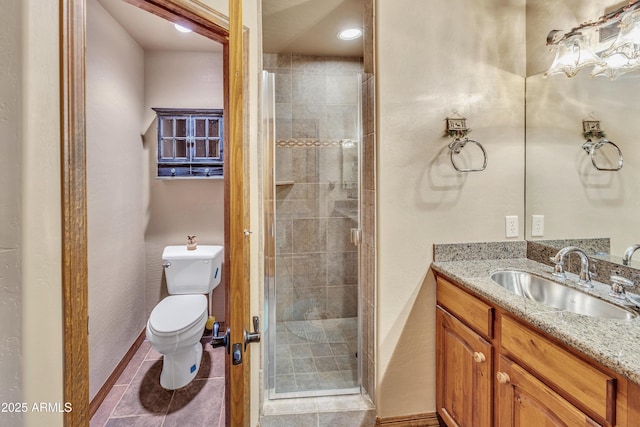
(174, 329)
(176, 325)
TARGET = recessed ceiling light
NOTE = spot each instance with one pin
(181, 28)
(350, 34)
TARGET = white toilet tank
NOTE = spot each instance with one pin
(192, 272)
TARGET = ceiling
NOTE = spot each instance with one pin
(154, 33)
(307, 27)
(310, 27)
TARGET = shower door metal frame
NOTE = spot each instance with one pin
(267, 111)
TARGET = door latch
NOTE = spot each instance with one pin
(236, 354)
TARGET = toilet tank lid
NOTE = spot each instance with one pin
(181, 252)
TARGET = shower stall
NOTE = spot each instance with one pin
(312, 128)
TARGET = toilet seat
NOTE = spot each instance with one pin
(176, 314)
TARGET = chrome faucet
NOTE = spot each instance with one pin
(585, 275)
(626, 259)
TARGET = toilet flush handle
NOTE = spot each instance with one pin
(166, 264)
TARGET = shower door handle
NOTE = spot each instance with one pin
(356, 236)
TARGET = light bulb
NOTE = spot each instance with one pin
(181, 28)
(350, 34)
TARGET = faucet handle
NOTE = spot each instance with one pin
(558, 269)
(618, 285)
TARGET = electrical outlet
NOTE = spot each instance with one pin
(511, 226)
(537, 225)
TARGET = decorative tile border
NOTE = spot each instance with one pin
(310, 142)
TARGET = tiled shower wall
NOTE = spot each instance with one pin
(316, 204)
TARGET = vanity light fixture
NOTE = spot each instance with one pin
(350, 34)
(609, 44)
(181, 28)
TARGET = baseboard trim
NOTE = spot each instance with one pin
(119, 369)
(418, 420)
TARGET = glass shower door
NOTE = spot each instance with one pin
(312, 300)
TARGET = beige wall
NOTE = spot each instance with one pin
(42, 334)
(181, 207)
(114, 102)
(10, 211)
(431, 60)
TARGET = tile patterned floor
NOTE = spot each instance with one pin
(316, 355)
(137, 399)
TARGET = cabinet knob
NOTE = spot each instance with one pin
(479, 357)
(503, 378)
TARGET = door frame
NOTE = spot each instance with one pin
(234, 38)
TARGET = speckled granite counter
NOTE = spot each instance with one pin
(613, 343)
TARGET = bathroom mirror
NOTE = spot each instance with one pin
(576, 199)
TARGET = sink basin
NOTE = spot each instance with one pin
(559, 296)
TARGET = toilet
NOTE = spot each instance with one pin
(176, 325)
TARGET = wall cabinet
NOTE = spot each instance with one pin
(496, 370)
(190, 142)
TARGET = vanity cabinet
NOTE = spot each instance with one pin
(523, 400)
(495, 369)
(464, 362)
(464, 358)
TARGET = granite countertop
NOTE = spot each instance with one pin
(613, 343)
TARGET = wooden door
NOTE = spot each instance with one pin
(523, 400)
(238, 391)
(464, 363)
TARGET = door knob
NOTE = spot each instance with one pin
(254, 336)
(220, 340)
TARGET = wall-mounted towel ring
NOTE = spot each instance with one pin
(592, 147)
(456, 147)
(595, 141)
(457, 128)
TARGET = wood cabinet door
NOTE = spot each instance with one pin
(464, 363)
(523, 400)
